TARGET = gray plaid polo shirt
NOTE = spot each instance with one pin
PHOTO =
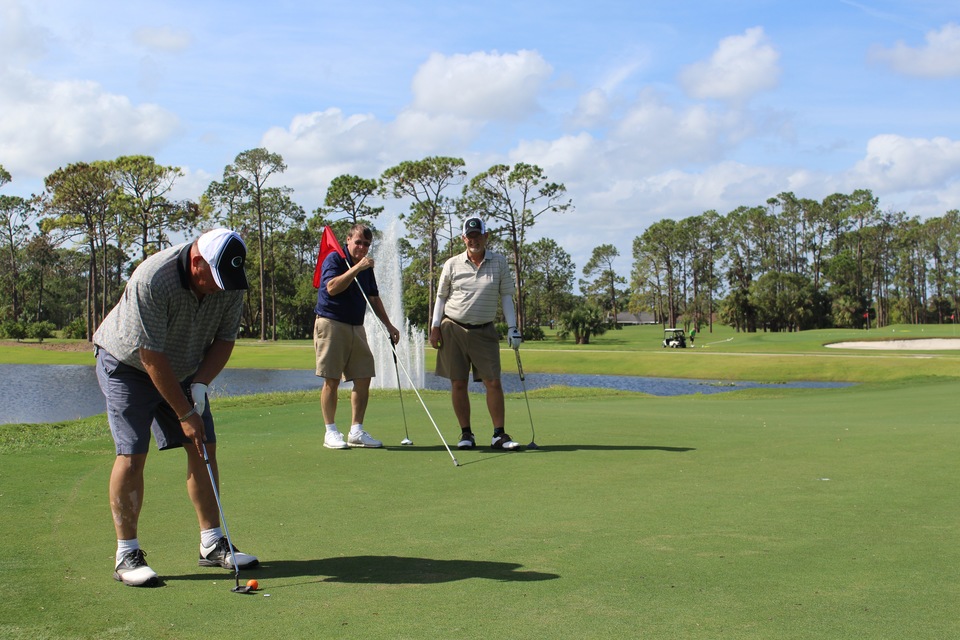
(159, 312)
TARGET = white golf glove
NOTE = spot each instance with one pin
(514, 338)
(198, 391)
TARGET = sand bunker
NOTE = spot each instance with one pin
(919, 344)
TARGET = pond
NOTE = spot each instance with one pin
(51, 393)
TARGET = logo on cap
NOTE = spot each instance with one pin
(225, 252)
(473, 224)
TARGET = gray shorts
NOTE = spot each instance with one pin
(135, 408)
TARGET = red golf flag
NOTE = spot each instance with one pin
(328, 243)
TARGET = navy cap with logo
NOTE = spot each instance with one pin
(471, 225)
(226, 253)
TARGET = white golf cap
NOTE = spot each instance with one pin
(225, 252)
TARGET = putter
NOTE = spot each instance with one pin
(533, 434)
(396, 365)
(223, 521)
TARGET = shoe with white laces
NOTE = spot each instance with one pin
(467, 441)
(362, 439)
(133, 571)
(505, 442)
(334, 440)
(219, 555)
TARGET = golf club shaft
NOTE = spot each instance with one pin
(523, 384)
(223, 520)
(406, 373)
(396, 365)
(424, 405)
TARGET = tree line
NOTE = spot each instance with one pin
(789, 265)
(797, 263)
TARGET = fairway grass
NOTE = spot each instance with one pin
(754, 514)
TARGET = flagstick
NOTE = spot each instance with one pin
(414, 386)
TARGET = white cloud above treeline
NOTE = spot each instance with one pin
(481, 85)
(741, 67)
(47, 124)
(939, 57)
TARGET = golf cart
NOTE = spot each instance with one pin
(674, 338)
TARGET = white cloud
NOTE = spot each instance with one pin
(569, 159)
(192, 183)
(896, 163)
(20, 39)
(454, 97)
(740, 67)
(592, 109)
(653, 134)
(481, 85)
(163, 39)
(322, 145)
(48, 124)
(614, 208)
(939, 58)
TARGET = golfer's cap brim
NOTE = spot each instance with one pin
(226, 253)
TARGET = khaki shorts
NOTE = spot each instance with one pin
(463, 350)
(342, 350)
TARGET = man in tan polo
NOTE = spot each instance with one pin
(471, 286)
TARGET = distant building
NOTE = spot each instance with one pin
(636, 318)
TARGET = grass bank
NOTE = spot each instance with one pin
(722, 354)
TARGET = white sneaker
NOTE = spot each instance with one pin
(334, 440)
(467, 441)
(219, 555)
(362, 439)
(134, 572)
(504, 442)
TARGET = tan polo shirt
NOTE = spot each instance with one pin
(473, 293)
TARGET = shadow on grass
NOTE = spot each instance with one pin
(546, 448)
(383, 570)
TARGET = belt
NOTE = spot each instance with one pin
(468, 326)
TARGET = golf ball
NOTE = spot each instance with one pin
(253, 584)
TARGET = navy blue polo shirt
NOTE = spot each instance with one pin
(349, 306)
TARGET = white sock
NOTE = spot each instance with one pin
(332, 427)
(209, 537)
(357, 428)
(126, 546)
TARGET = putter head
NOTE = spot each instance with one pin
(242, 589)
(533, 445)
(406, 441)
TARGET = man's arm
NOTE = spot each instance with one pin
(377, 305)
(509, 311)
(438, 308)
(339, 284)
(214, 360)
(161, 373)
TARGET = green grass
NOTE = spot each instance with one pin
(772, 513)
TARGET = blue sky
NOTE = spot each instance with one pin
(644, 110)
